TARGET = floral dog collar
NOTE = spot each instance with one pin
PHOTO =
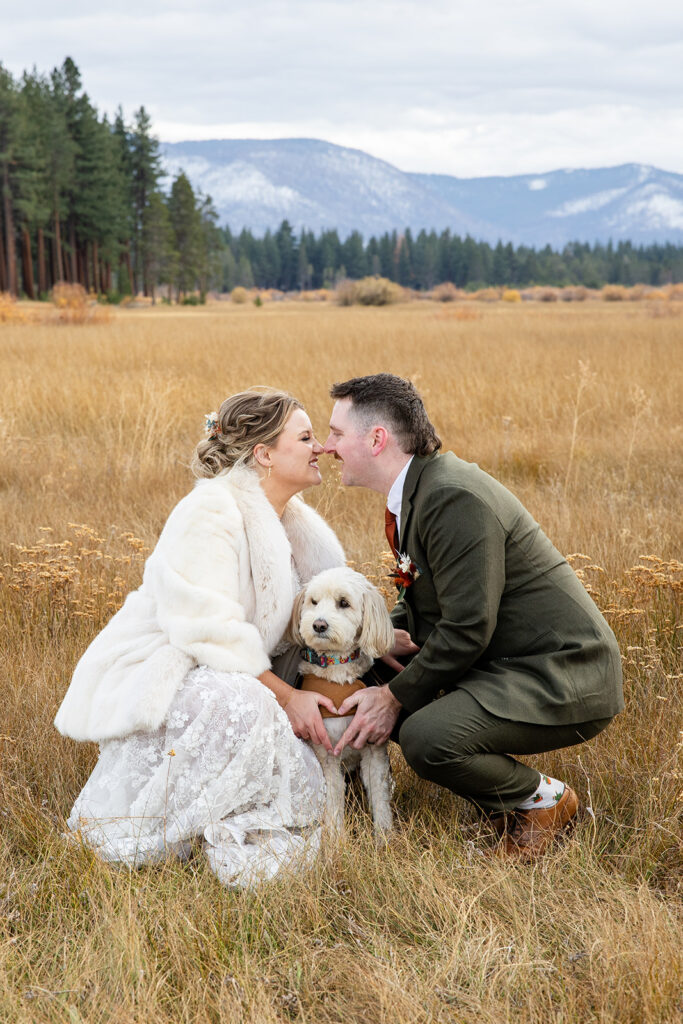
(323, 660)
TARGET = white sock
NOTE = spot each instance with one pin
(549, 792)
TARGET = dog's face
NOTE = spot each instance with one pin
(340, 610)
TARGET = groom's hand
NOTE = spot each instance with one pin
(403, 645)
(375, 717)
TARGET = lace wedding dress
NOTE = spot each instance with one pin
(225, 766)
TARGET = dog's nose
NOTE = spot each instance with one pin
(320, 626)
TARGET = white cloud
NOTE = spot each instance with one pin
(455, 86)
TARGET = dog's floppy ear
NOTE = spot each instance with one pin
(377, 632)
(293, 633)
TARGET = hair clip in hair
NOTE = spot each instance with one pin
(211, 424)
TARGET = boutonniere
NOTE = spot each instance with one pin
(405, 573)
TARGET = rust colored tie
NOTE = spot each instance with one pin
(391, 530)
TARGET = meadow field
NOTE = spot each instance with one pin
(577, 408)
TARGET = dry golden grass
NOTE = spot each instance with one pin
(576, 407)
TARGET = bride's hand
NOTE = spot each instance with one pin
(302, 710)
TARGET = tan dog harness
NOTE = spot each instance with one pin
(337, 692)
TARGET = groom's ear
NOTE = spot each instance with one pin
(293, 633)
(380, 437)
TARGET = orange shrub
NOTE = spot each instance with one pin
(10, 311)
(74, 306)
(486, 295)
(614, 293)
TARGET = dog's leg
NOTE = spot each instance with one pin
(376, 775)
(335, 789)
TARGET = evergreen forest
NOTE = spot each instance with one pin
(85, 200)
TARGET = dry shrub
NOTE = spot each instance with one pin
(345, 293)
(511, 295)
(656, 295)
(546, 294)
(378, 291)
(239, 295)
(446, 292)
(486, 295)
(676, 292)
(574, 294)
(75, 306)
(11, 311)
(637, 292)
(614, 293)
(369, 291)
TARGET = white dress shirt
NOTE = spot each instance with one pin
(395, 495)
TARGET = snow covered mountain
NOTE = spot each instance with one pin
(315, 184)
(633, 202)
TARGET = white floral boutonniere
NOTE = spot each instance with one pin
(405, 573)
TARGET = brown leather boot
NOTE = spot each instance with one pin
(532, 832)
(500, 823)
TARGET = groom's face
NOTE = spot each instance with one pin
(349, 443)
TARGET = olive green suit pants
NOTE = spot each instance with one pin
(455, 742)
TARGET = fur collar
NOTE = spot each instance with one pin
(301, 539)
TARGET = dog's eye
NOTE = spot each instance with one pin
(313, 602)
(343, 603)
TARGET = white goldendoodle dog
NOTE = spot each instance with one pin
(341, 623)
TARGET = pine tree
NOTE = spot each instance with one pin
(353, 256)
(9, 129)
(144, 170)
(210, 247)
(186, 233)
(158, 234)
(288, 256)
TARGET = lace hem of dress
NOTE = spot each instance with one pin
(226, 767)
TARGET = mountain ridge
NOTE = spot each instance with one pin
(258, 183)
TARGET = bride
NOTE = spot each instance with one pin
(188, 689)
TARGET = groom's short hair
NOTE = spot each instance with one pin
(392, 400)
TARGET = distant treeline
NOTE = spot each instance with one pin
(81, 202)
(280, 260)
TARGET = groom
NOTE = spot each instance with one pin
(499, 649)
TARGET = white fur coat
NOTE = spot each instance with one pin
(217, 590)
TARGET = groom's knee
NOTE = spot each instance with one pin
(428, 747)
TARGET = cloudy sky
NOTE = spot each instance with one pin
(465, 87)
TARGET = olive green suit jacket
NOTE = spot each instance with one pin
(496, 609)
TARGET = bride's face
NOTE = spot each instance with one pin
(294, 456)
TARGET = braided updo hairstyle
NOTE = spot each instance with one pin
(255, 416)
